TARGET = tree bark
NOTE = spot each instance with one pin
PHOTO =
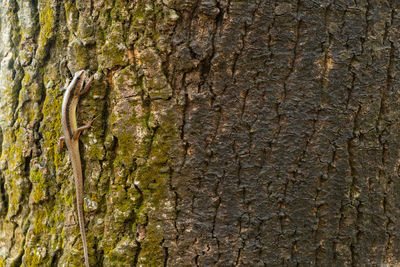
(230, 133)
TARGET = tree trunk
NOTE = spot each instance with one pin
(249, 133)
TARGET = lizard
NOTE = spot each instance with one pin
(78, 86)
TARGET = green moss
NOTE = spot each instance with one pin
(71, 14)
(112, 55)
(18, 185)
(145, 151)
(39, 186)
(123, 254)
(113, 52)
(67, 7)
(125, 132)
(96, 150)
(152, 180)
(47, 23)
(79, 53)
(141, 159)
(151, 253)
(36, 255)
(68, 200)
(51, 130)
(43, 237)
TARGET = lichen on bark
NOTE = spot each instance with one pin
(127, 154)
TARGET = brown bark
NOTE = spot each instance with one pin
(291, 133)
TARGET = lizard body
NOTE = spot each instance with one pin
(71, 131)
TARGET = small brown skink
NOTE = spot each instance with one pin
(77, 87)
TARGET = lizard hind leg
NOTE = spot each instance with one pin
(78, 131)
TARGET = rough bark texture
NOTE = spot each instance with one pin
(248, 133)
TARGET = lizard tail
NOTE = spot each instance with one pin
(77, 168)
(79, 206)
(83, 232)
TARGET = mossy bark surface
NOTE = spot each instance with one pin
(128, 154)
(229, 133)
